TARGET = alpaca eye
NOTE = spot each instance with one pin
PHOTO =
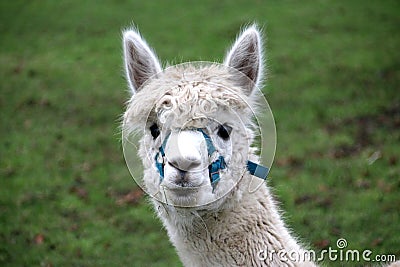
(224, 131)
(155, 132)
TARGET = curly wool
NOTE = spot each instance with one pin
(187, 91)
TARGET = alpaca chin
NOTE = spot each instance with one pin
(182, 196)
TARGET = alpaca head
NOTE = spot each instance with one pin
(190, 116)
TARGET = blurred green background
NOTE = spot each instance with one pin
(66, 196)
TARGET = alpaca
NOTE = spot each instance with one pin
(195, 126)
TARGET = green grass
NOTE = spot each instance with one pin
(333, 85)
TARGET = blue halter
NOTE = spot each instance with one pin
(215, 167)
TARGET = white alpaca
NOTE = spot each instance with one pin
(211, 223)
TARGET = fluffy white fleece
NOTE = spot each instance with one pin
(231, 225)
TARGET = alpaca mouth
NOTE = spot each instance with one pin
(182, 184)
(182, 188)
(182, 192)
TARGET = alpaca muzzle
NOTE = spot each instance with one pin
(215, 167)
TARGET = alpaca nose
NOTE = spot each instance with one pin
(185, 164)
(183, 150)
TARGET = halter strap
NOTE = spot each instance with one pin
(160, 162)
(257, 170)
(215, 167)
(210, 146)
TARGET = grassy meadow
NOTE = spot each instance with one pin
(66, 196)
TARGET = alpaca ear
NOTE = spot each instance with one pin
(246, 56)
(140, 61)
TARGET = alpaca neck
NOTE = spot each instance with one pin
(244, 225)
